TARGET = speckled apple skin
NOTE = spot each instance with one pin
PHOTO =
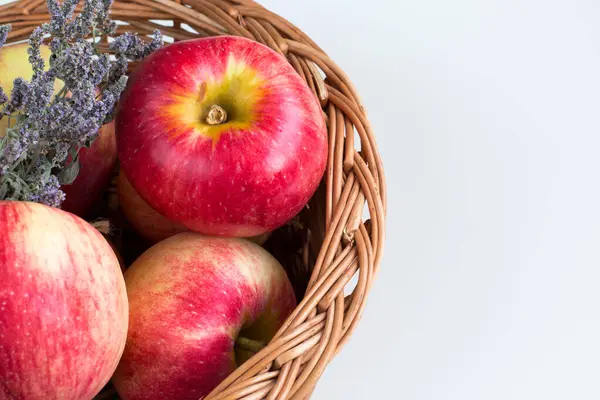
(63, 305)
(147, 221)
(189, 298)
(242, 178)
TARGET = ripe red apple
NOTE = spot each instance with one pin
(149, 223)
(145, 220)
(63, 305)
(96, 167)
(222, 135)
(191, 299)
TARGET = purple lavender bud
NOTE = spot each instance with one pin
(48, 192)
(53, 7)
(35, 57)
(4, 29)
(61, 152)
(134, 47)
(18, 95)
(13, 150)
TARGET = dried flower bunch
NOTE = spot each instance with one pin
(38, 152)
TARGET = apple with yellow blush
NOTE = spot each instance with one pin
(221, 135)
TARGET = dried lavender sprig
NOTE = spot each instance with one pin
(39, 150)
(4, 30)
(132, 46)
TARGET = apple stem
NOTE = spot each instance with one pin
(251, 345)
(216, 115)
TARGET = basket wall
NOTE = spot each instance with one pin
(338, 242)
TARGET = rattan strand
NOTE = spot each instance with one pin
(347, 243)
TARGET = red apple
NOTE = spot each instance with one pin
(145, 220)
(191, 299)
(149, 223)
(222, 135)
(97, 163)
(63, 305)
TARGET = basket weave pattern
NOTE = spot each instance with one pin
(340, 243)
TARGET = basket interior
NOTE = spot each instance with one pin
(337, 237)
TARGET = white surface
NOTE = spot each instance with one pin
(487, 116)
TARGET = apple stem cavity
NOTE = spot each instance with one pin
(216, 115)
(250, 345)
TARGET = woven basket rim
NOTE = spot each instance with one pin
(352, 244)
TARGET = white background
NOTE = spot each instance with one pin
(487, 114)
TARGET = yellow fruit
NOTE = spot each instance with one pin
(14, 63)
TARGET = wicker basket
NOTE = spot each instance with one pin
(331, 241)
